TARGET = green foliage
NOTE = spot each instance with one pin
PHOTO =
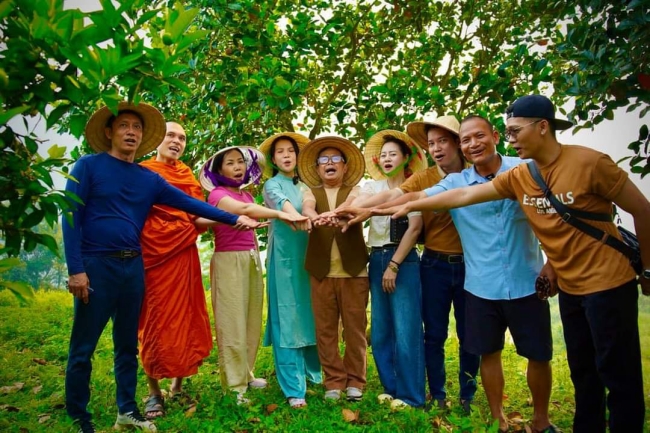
(601, 62)
(58, 65)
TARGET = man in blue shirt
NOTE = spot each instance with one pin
(102, 248)
(502, 261)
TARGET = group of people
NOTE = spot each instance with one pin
(131, 251)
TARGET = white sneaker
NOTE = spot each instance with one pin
(398, 404)
(133, 419)
(333, 394)
(257, 383)
(384, 398)
(354, 394)
(241, 400)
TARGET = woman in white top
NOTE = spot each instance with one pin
(396, 322)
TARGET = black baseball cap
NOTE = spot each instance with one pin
(536, 106)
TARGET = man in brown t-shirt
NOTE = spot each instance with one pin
(598, 288)
(442, 267)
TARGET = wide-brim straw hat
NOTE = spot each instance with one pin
(153, 132)
(373, 149)
(308, 170)
(265, 148)
(247, 151)
(418, 130)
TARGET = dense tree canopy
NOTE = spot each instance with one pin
(235, 71)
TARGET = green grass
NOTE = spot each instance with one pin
(33, 351)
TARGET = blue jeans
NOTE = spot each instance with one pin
(601, 332)
(442, 285)
(396, 328)
(118, 288)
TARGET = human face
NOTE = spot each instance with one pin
(524, 135)
(332, 173)
(284, 156)
(125, 134)
(233, 166)
(391, 156)
(173, 145)
(443, 148)
(478, 142)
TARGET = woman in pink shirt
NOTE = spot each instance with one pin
(235, 269)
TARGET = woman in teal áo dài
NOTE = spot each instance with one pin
(290, 321)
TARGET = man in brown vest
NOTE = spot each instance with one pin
(336, 261)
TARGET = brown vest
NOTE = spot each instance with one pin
(352, 247)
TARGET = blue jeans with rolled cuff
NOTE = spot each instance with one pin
(396, 327)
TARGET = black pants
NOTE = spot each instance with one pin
(602, 337)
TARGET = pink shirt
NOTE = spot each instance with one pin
(226, 238)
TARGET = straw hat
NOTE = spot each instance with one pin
(373, 149)
(251, 156)
(265, 147)
(153, 133)
(307, 167)
(418, 130)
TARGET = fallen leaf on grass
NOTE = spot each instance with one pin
(9, 408)
(350, 416)
(17, 386)
(37, 389)
(43, 418)
(271, 408)
(514, 416)
(437, 422)
(255, 420)
(190, 411)
(40, 361)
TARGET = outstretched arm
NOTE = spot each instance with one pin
(451, 199)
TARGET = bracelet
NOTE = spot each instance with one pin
(396, 264)
(392, 267)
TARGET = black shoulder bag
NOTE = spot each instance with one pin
(629, 246)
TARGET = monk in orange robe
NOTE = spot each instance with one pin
(174, 329)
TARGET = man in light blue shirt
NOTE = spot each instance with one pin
(503, 260)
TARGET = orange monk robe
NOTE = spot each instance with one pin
(174, 329)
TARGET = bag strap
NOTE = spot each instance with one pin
(572, 216)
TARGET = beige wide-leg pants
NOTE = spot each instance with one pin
(237, 296)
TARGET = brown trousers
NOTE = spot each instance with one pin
(344, 299)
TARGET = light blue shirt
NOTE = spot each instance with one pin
(502, 255)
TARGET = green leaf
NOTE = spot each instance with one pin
(5, 116)
(6, 6)
(21, 290)
(8, 263)
(56, 114)
(57, 152)
(643, 132)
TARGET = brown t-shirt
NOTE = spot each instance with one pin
(584, 179)
(439, 231)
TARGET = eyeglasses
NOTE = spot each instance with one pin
(335, 159)
(513, 132)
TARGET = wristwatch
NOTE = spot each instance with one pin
(646, 274)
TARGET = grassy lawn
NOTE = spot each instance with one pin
(33, 351)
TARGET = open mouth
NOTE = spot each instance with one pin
(439, 156)
(174, 149)
(238, 176)
(130, 141)
(388, 167)
(330, 170)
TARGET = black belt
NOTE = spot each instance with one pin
(125, 254)
(383, 247)
(449, 258)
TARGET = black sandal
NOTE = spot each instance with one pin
(154, 404)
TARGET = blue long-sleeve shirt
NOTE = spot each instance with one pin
(117, 197)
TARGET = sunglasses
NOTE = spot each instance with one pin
(335, 159)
